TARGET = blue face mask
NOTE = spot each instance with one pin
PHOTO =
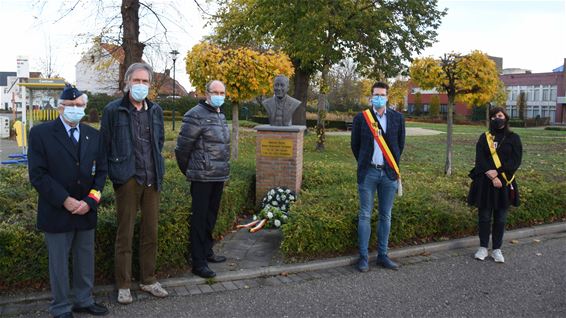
(139, 92)
(73, 114)
(216, 100)
(379, 101)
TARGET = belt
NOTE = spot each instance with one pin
(376, 166)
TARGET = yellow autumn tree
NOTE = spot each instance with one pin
(397, 93)
(471, 78)
(245, 72)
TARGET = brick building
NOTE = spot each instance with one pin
(545, 95)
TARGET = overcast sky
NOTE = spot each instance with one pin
(526, 34)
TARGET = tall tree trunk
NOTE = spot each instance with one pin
(449, 120)
(133, 49)
(301, 87)
(235, 131)
(322, 108)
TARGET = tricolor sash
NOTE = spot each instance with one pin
(490, 138)
(377, 132)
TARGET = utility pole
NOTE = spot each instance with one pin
(174, 54)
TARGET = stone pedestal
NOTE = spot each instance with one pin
(279, 158)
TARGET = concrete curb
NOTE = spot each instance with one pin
(315, 265)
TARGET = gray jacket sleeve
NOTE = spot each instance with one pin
(190, 132)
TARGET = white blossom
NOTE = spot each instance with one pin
(274, 203)
(284, 217)
(277, 223)
(255, 217)
(269, 215)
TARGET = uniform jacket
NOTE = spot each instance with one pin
(116, 130)
(362, 142)
(203, 145)
(57, 170)
(482, 192)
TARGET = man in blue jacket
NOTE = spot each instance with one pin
(67, 167)
(133, 136)
(376, 171)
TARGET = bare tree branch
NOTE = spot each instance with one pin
(67, 13)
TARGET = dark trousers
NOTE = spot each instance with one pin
(59, 246)
(131, 197)
(485, 226)
(206, 198)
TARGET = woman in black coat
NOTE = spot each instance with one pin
(494, 187)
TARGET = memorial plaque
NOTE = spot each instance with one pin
(282, 148)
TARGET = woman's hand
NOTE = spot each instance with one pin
(491, 174)
(496, 182)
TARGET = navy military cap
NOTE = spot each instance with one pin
(70, 92)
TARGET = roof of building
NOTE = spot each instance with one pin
(559, 69)
(4, 77)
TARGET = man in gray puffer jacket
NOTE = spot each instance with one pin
(203, 151)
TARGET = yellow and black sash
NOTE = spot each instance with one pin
(490, 138)
(376, 131)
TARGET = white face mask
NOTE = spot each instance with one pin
(139, 92)
(73, 114)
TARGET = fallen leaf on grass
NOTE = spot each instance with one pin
(514, 242)
(284, 274)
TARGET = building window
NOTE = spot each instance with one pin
(536, 111)
(444, 108)
(536, 96)
(512, 111)
(553, 93)
(544, 111)
(546, 93)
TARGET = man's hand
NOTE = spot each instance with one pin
(71, 204)
(82, 209)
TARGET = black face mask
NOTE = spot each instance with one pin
(497, 124)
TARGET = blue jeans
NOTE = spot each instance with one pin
(375, 180)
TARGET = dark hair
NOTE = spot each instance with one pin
(379, 85)
(494, 111)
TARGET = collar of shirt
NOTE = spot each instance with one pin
(68, 127)
(377, 114)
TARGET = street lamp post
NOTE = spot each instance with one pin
(174, 54)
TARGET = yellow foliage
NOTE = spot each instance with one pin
(245, 72)
(472, 78)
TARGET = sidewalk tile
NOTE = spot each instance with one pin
(273, 281)
(194, 290)
(229, 285)
(205, 289)
(241, 284)
(181, 291)
(217, 287)
(252, 283)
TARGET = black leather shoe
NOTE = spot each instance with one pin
(204, 272)
(216, 259)
(94, 309)
(65, 315)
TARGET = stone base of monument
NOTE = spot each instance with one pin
(279, 158)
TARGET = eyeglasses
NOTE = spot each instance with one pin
(217, 93)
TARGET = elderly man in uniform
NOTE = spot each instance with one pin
(67, 167)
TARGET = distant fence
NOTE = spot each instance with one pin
(43, 114)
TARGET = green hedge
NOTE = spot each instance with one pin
(23, 256)
(324, 219)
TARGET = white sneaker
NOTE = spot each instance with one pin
(124, 296)
(497, 256)
(155, 289)
(481, 254)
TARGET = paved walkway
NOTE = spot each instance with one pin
(8, 147)
(254, 259)
(409, 131)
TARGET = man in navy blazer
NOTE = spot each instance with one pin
(374, 173)
(67, 167)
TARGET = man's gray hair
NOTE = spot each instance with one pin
(84, 96)
(207, 86)
(134, 67)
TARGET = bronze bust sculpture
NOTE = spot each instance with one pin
(280, 107)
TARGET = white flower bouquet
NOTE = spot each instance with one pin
(274, 211)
